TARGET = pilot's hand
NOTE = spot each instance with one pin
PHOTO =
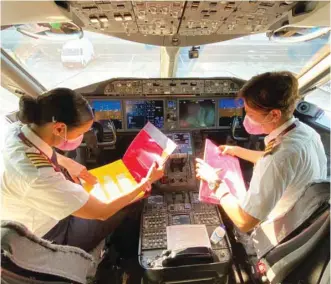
(206, 172)
(76, 170)
(228, 150)
(87, 177)
(143, 188)
(155, 173)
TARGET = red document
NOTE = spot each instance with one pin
(122, 176)
(230, 174)
(149, 146)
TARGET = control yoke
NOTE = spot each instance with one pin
(234, 126)
(96, 136)
(113, 140)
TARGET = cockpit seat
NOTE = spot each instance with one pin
(282, 244)
(26, 258)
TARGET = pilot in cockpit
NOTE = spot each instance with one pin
(41, 188)
(293, 157)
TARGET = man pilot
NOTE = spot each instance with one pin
(293, 157)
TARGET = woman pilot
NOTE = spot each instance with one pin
(38, 185)
(293, 157)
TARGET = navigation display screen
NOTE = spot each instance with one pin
(105, 110)
(139, 112)
(197, 113)
(228, 108)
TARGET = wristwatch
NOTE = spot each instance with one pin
(222, 191)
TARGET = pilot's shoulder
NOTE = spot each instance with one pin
(271, 151)
(30, 163)
(23, 159)
(37, 159)
(272, 148)
(281, 151)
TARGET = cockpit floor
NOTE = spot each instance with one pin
(120, 262)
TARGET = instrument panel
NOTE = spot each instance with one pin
(170, 104)
(168, 114)
(139, 112)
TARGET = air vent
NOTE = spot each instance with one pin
(303, 107)
(62, 4)
(304, 7)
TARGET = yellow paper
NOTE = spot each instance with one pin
(114, 181)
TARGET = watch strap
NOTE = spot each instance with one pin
(222, 190)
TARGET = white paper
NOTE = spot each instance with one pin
(125, 183)
(186, 236)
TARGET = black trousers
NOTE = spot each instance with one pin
(87, 234)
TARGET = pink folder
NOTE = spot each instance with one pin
(231, 174)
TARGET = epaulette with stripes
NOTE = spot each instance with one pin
(270, 148)
(39, 160)
(272, 145)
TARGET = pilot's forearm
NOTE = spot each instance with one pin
(248, 155)
(239, 217)
(113, 207)
(96, 209)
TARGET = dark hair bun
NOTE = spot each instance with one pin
(29, 111)
(58, 105)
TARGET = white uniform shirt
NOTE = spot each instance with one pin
(33, 192)
(280, 177)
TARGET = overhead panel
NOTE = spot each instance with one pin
(205, 18)
(252, 16)
(179, 23)
(115, 17)
(158, 17)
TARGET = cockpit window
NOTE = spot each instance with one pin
(97, 57)
(321, 97)
(77, 63)
(247, 56)
(8, 103)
